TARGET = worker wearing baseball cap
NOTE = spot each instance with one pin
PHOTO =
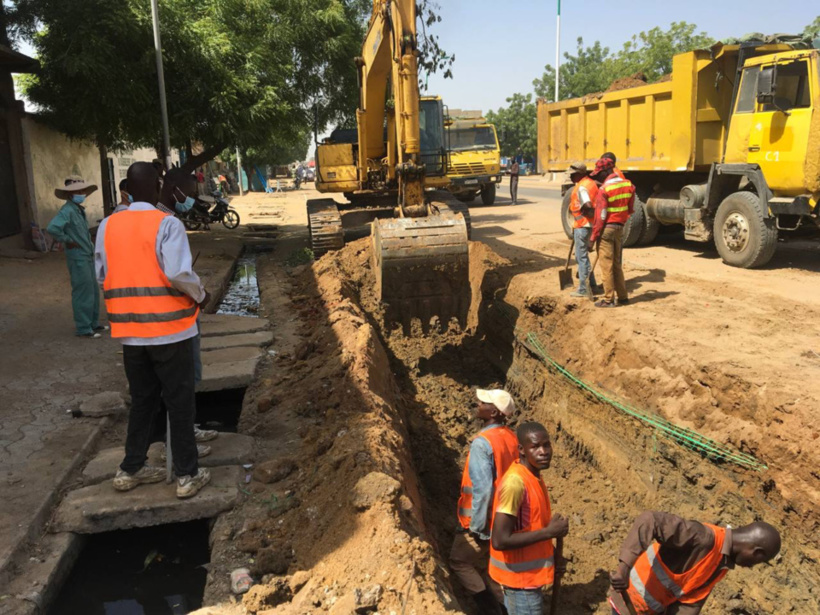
(492, 451)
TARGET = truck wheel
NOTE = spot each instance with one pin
(744, 236)
(466, 197)
(567, 220)
(488, 194)
(634, 226)
(651, 228)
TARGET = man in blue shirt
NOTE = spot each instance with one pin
(70, 228)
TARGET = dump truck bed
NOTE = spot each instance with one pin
(675, 125)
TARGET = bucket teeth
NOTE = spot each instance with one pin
(422, 270)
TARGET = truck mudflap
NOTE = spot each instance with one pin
(422, 270)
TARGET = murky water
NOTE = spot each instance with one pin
(147, 571)
(242, 298)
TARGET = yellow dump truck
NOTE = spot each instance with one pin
(474, 159)
(729, 147)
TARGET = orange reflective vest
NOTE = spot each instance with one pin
(504, 443)
(618, 172)
(580, 219)
(138, 296)
(532, 566)
(653, 587)
(619, 195)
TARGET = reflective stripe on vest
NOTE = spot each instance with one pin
(504, 444)
(616, 189)
(139, 297)
(534, 565)
(653, 587)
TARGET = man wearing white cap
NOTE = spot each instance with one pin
(70, 227)
(492, 451)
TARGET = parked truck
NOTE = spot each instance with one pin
(474, 165)
(729, 147)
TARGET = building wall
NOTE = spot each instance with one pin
(51, 157)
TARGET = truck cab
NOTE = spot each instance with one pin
(475, 160)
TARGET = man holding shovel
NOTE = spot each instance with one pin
(582, 208)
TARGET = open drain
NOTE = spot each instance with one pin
(242, 297)
(158, 570)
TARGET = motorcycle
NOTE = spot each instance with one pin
(201, 214)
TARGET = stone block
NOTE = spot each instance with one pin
(99, 508)
(225, 376)
(218, 342)
(103, 404)
(227, 449)
(223, 324)
(231, 355)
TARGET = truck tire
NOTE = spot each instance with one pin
(634, 226)
(744, 236)
(566, 217)
(466, 197)
(488, 194)
(651, 228)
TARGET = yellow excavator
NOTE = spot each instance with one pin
(420, 249)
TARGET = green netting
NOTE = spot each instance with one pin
(685, 437)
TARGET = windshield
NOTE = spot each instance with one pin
(478, 138)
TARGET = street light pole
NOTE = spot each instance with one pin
(163, 103)
(557, 50)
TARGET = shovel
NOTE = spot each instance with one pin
(565, 275)
(556, 585)
(621, 603)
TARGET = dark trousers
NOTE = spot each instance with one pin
(158, 374)
(514, 188)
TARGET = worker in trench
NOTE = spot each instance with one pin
(143, 259)
(582, 208)
(492, 452)
(522, 556)
(668, 565)
(614, 204)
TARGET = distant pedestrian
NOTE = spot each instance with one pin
(582, 209)
(152, 294)
(125, 198)
(613, 206)
(515, 169)
(70, 227)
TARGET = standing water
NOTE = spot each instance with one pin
(242, 298)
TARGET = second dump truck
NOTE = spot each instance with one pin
(729, 148)
(474, 157)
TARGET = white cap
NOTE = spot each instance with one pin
(500, 399)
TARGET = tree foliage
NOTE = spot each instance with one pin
(516, 125)
(812, 31)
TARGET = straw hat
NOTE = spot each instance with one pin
(74, 185)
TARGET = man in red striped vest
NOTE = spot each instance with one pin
(492, 452)
(522, 560)
(613, 206)
(670, 565)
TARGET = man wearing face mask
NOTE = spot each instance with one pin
(71, 228)
(125, 198)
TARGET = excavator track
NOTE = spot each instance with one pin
(422, 269)
(325, 226)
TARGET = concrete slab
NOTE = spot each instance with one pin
(225, 376)
(227, 449)
(222, 324)
(98, 508)
(232, 355)
(218, 342)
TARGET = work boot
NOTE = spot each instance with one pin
(486, 603)
(205, 435)
(189, 486)
(202, 450)
(124, 481)
(579, 293)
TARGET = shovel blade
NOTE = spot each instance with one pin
(565, 278)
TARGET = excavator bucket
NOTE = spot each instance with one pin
(422, 269)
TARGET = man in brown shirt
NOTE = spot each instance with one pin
(668, 565)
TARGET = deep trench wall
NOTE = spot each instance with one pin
(642, 469)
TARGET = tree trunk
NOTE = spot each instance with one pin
(206, 156)
(108, 199)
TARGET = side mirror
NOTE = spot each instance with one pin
(767, 85)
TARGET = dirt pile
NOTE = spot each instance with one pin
(625, 83)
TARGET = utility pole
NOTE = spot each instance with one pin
(239, 171)
(557, 50)
(163, 103)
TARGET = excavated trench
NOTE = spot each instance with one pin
(608, 466)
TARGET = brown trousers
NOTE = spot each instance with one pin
(611, 257)
(470, 562)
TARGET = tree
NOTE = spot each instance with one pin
(651, 52)
(812, 31)
(516, 125)
(587, 71)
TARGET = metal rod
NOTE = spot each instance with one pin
(163, 102)
(239, 171)
(557, 50)
(169, 461)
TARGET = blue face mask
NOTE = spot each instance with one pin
(78, 199)
(186, 206)
(130, 198)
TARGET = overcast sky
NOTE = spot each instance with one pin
(501, 46)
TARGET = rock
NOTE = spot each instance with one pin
(274, 470)
(283, 506)
(271, 561)
(593, 537)
(103, 404)
(368, 600)
(262, 597)
(346, 605)
(373, 488)
(299, 580)
(266, 403)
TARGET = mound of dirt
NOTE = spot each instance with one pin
(625, 83)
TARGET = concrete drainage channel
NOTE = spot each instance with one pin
(145, 552)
